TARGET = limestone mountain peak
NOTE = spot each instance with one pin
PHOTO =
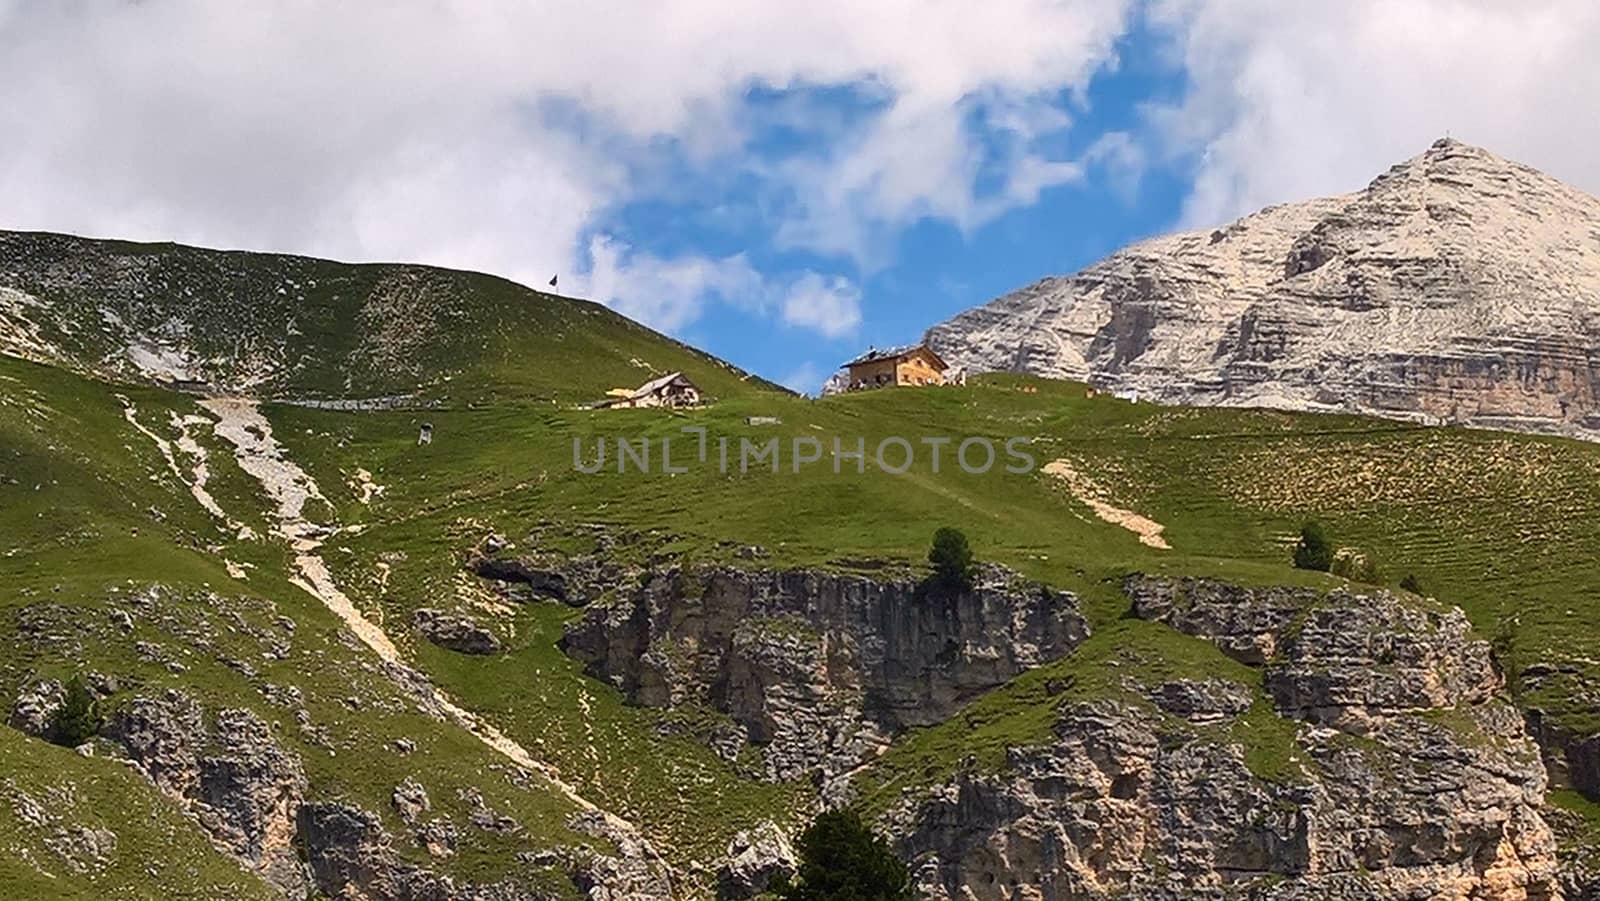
(1457, 286)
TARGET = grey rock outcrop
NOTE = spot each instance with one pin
(35, 709)
(350, 856)
(1457, 287)
(249, 796)
(634, 873)
(1338, 659)
(438, 837)
(1433, 791)
(1202, 700)
(233, 777)
(756, 858)
(484, 817)
(818, 668)
(410, 801)
(1580, 857)
(521, 579)
(1572, 758)
(454, 633)
(350, 850)
(83, 849)
(544, 575)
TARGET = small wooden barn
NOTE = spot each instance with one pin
(671, 390)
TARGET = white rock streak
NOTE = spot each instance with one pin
(1084, 489)
(289, 488)
(369, 489)
(163, 364)
(198, 474)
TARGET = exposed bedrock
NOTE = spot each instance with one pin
(1399, 772)
(818, 668)
(1457, 287)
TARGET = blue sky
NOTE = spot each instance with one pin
(782, 184)
(932, 269)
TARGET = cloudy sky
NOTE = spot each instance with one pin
(781, 183)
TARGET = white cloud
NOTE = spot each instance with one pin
(499, 135)
(924, 156)
(670, 293)
(830, 305)
(1294, 100)
(666, 294)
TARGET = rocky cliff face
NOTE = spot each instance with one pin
(1458, 287)
(1406, 775)
(250, 797)
(238, 783)
(816, 668)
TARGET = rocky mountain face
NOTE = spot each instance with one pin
(819, 669)
(1458, 287)
(1407, 775)
(1404, 771)
(250, 796)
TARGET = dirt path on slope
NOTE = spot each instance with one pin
(289, 487)
(1085, 490)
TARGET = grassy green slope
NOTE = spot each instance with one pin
(46, 793)
(512, 468)
(91, 520)
(1499, 524)
(1494, 523)
(78, 482)
(290, 326)
(89, 512)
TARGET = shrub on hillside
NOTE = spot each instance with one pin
(841, 859)
(78, 718)
(952, 561)
(1411, 583)
(1504, 647)
(1313, 550)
